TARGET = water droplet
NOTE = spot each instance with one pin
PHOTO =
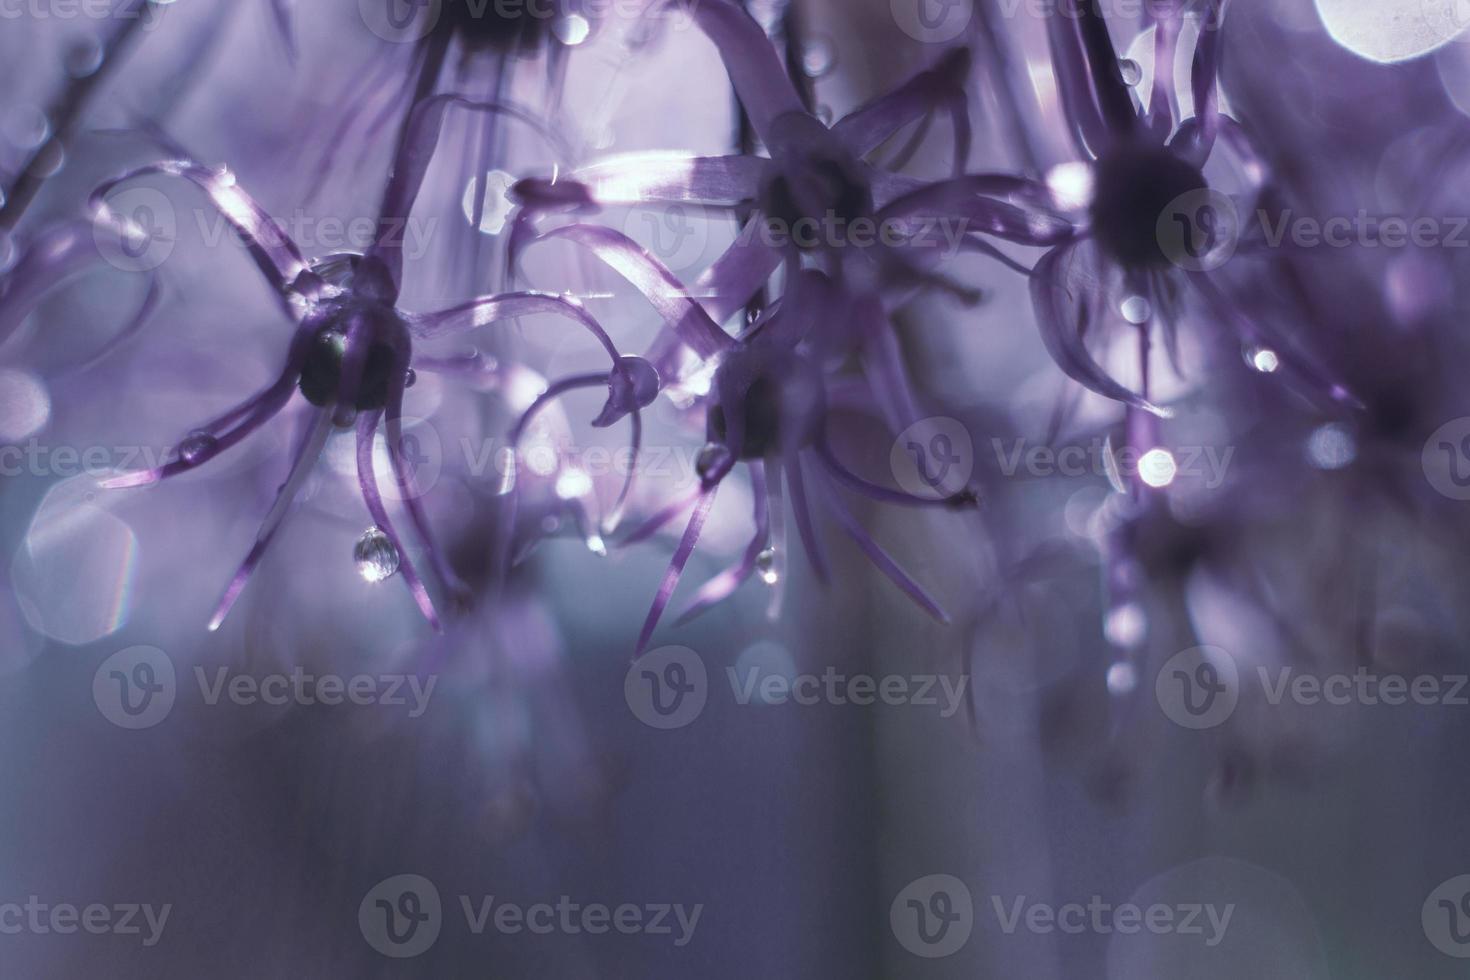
(1157, 468)
(1136, 309)
(411, 378)
(376, 557)
(1332, 447)
(818, 58)
(1071, 185)
(714, 456)
(596, 545)
(573, 483)
(765, 566)
(633, 383)
(493, 201)
(1122, 678)
(1126, 626)
(196, 446)
(1263, 359)
(572, 30)
(83, 58)
(1132, 71)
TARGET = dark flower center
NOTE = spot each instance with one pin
(322, 373)
(791, 399)
(823, 193)
(503, 24)
(1135, 189)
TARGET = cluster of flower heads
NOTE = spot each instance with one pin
(778, 336)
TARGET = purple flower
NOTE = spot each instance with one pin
(351, 357)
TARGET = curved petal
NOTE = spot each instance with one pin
(653, 279)
(652, 178)
(867, 127)
(367, 429)
(1089, 132)
(676, 565)
(972, 201)
(1063, 337)
(1114, 97)
(272, 250)
(754, 67)
(1205, 74)
(505, 306)
(410, 166)
(883, 560)
(306, 456)
(723, 585)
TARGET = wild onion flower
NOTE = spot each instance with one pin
(816, 188)
(351, 357)
(768, 395)
(1149, 219)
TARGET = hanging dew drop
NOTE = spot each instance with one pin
(1136, 310)
(1263, 359)
(596, 545)
(765, 566)
(376, 557)
(819, 58)
(1122, 678)
(1132, 71)
(195, 446)
(710, 459)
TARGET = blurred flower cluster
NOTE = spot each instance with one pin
(1088, 329)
